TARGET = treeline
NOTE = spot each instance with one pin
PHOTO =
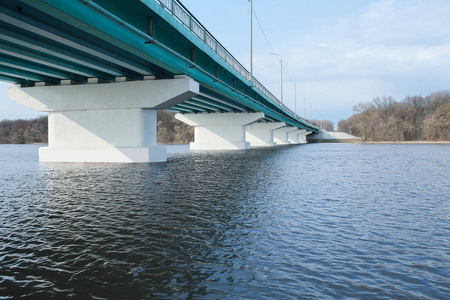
(415, 118)
(172, 131)
(35, 131)
(24, 131)
(323, 124)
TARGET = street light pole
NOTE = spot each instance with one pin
(304, 107)
(281, 74)
(295, 96)
(251, 40)
(318, 121)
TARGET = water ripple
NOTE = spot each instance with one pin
(314, 221)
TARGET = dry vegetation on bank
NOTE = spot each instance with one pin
(24, 131)
(415, 118)
(172, 131)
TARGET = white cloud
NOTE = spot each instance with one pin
(379, 10)
(393, 47)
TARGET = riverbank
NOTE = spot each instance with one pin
(324, 136)
(408, 142)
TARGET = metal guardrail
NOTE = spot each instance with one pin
(191, 23)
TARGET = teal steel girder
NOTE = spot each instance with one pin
(82, 17)
(26, 75)
(61, 53)
(219, 106)
(203, 105)
(69, 41)
(33, 38)
(13, 79)
(44, 70)
(34, 57)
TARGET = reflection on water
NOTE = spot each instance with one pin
(310, 221)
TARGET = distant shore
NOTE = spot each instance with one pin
(407, 142)
(380, 142)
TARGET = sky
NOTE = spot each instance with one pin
(339, 53)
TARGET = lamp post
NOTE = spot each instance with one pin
(304, 107)
(251, 40)
(318, 121)
(281, 74)
(295, 96)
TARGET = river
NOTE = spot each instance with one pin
(315, 221)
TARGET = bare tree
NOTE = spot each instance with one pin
(170, 130)
(415, 118)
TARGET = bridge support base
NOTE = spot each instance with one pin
(302, 137)
(117, 155)
(122, 135)
(282, 135)
(262, 134)
(294, 136)
(107, 122)
(220, 131)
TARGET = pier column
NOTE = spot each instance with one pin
(107, 122)
(262, 134)
(302, 137)
(220, 131)
(294, 136)
(282, 135)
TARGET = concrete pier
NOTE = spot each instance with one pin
(302, 136)
(294, 137)
(282, 135)
(220, 131)
(107, 122)
(262, 134)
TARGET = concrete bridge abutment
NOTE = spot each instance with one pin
(107, 122)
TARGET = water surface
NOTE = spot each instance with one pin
(316, 221)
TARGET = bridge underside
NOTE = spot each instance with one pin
(51, 44)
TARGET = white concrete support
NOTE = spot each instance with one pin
(302, 137)
(294, 136)
(107, 122)
(282, 135)
(220, 131)
(262, 134)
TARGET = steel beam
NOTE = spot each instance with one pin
(37, 68)
(32, 26)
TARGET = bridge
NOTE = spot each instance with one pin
(102, 69)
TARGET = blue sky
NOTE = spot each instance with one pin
(339, 53)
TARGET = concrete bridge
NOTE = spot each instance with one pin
(103, 68)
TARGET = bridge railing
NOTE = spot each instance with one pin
(189, 21)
